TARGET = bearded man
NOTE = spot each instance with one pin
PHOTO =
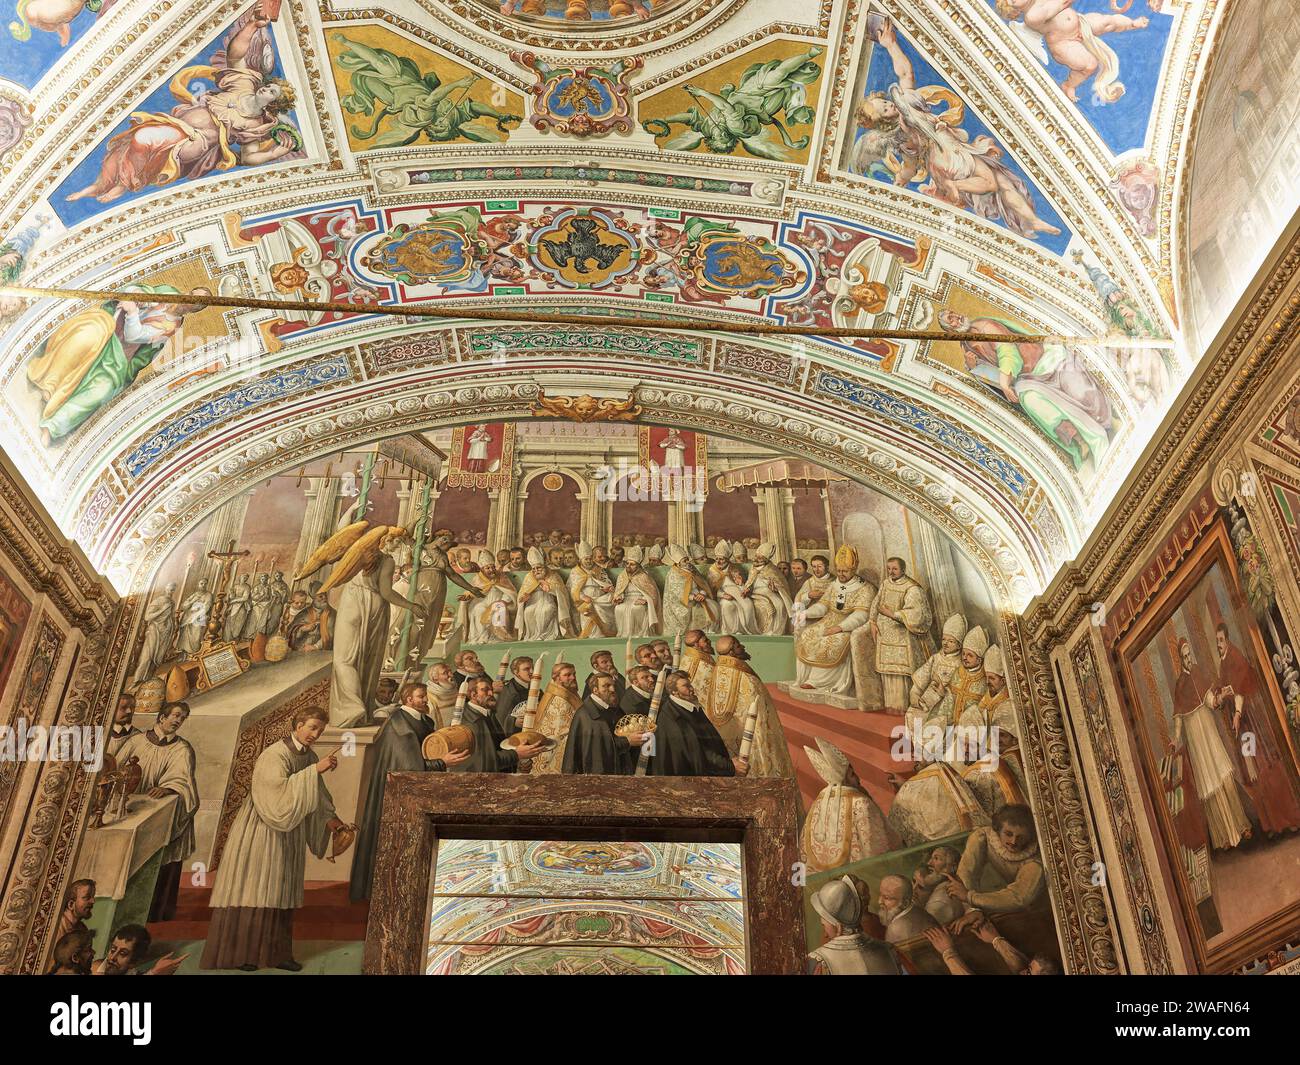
(688, 600)
(966, 686)
(686, 743)
(592, 594)
(637, 609)
(591, 745)
(640, 690)
(736, 600)
(930, 682)
(489, 618)
(555, 710)
(996, 777)
(488, 756)
(770, 592)
(602, 665)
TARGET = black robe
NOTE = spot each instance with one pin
(511, 695)
(687, 745)
(488, 757)
(458, 678)
(633, 702)
(397, 749)
(592, 746)
(620, 684)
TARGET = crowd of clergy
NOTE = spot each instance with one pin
(713, 716)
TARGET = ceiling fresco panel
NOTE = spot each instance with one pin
(836, 164)
(194, 125)
(1107, 56)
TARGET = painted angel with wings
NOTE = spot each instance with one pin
(366, 557)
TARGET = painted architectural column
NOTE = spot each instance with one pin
(830, 521)
(408, 498)
(596, 515)
(786, 496)
(227, 524)
(773, 522)
(682, 522)
(938, 569)
(505, 517)
(318, 522)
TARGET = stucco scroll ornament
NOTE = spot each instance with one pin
(1231, 482)
(586, 408)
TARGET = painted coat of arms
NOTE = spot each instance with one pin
(582, 101)
(733, 264)
(584, 248)
(455, 249)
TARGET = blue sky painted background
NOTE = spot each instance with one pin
(1123, 124)
(26, 62)
(880, 76)
(160, 100)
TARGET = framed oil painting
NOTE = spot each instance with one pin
(1217, 756)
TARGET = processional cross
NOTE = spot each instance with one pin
(229, 560)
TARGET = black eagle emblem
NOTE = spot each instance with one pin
(581, 247)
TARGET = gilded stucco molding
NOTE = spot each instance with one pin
(1065, 838)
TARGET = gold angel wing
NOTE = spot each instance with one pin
(362, 555)
(333, 549)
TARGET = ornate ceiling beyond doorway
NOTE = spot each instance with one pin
(834, 164)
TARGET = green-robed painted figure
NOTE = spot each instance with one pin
(96, 354)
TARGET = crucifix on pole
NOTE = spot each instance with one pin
(228, 560)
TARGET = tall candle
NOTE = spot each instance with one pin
(534, 689)
(461, 696)
(747, 736)
(643, 758)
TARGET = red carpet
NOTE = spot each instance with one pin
(864, 738)
(327, 913)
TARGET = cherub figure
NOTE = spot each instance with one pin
(916, 143)
(1074, 40)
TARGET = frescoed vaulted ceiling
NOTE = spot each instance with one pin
(954, 166)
